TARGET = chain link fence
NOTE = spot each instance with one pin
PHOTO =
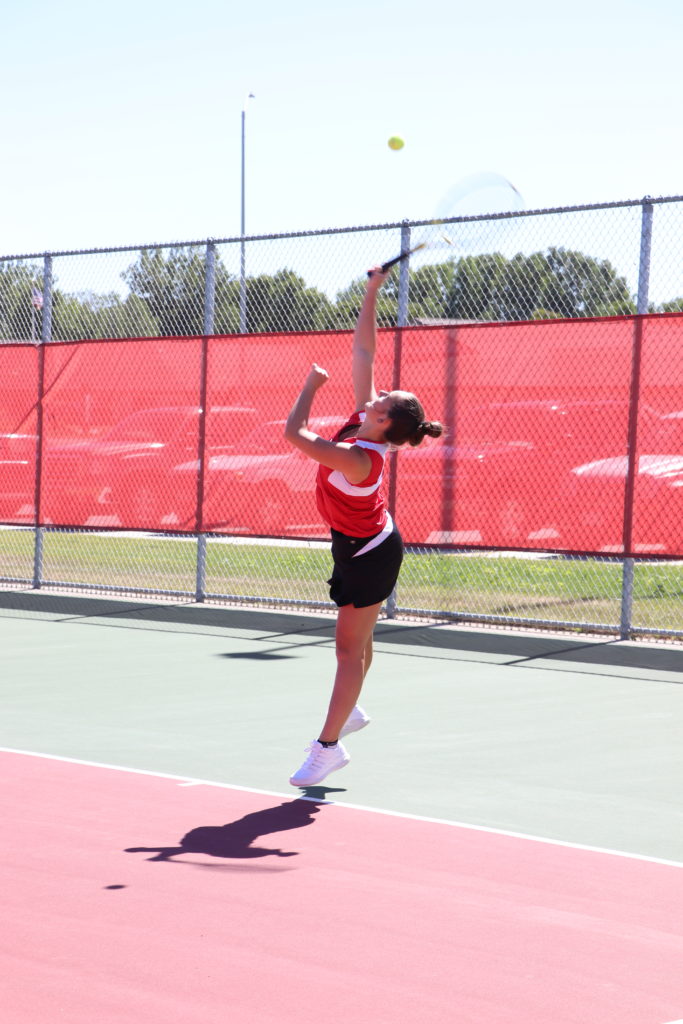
(592, 261)
(575, 261)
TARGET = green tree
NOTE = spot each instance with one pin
(348, 302)
(491, 287)
(469, 288)
(88, 315)
(172, 287)
(167, 296)
(573, 284)
(282, 302)
(19, 318)
(556, 283)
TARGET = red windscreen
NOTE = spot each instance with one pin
(537, 423)
(658, 498)
(18, 432)
(523, 405)
(118, 417)
(255, 481)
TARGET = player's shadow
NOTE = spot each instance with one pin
(258, 655)
(234, 840)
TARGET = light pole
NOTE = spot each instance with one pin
(243, 255)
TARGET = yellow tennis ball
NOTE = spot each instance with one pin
(395, 142)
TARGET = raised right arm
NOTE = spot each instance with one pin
(365, 342)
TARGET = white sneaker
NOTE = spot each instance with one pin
(319, 763)
(356, 720)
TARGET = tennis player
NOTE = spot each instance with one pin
(367, 549)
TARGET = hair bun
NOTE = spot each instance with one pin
(432, 429)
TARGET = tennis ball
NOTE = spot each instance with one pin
(395, 142)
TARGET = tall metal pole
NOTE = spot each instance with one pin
(628, 573)
(243, 254)
(209, 311)
(401, 321)
(45, 337)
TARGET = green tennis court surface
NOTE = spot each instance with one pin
(570, 739)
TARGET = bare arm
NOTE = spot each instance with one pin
(353, 462)
(365, 341)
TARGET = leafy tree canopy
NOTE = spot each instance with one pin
(166, 296)
(19, 318)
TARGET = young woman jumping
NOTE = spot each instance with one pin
(367, 549)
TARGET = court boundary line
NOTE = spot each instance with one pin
(186, 780)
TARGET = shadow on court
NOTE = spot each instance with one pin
(270, 655)
(283, 632)
(234, 840)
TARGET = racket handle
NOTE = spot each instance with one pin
(391, 263)
(397, 259)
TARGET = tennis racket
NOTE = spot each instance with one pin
(479, 196)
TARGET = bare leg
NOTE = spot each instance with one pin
(367, 657)
(354, 654)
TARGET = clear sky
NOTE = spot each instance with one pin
(120, 121)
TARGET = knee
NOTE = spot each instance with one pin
(349, 652)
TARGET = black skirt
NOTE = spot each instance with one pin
(368, 578)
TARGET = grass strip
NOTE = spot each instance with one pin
(558, 589)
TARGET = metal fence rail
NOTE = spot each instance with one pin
(540, 592)
(590, 260)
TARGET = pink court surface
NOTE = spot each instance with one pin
(135, 892)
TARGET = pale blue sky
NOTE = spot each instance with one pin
(121, 121)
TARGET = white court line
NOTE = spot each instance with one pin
(184, 780)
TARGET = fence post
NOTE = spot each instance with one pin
(209, 288)
(209, 316)
(450, 462)
(45, 337)
(628, 573)
(243, 288)
(404, 278)
(401, 321)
